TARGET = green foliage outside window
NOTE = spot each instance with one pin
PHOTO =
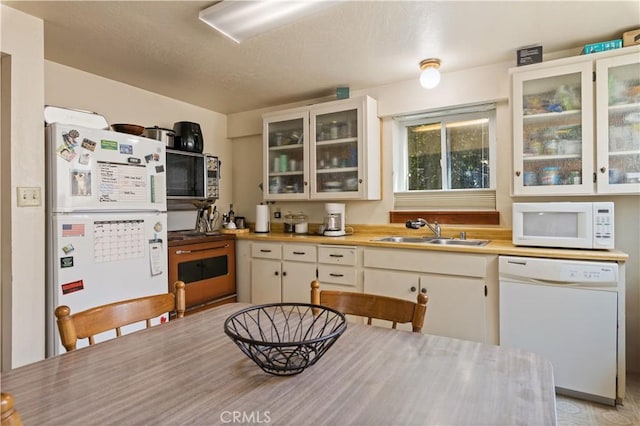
(466, 159)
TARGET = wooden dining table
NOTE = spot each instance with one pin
(189, 372)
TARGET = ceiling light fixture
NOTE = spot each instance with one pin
(240, 20)
(430, 75)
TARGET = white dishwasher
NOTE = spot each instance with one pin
(566, 311)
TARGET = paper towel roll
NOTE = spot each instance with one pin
(262, 218)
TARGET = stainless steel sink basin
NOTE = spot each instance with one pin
(404, 239)
(453, 242)
(433, 240)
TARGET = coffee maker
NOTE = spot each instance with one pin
(334, 220)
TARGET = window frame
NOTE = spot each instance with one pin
(401, 158)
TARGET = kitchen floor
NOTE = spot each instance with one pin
(577, 412)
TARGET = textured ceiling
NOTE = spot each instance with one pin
(161, 46)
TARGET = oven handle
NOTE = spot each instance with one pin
(196, 251)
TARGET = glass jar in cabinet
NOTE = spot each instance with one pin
(618, 124)
(553, 131)
(285, 164)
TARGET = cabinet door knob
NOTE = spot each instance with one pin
(306, 183)
(603, 169)
(277, 273)
(284, 273)
(517, 172)
(413, 289)
(424, 290)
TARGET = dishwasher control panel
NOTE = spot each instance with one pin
(587, 273)
(558, 271)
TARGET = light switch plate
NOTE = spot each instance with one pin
(29, 196)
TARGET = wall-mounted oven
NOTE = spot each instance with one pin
(207, 269)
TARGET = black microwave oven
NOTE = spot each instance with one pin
(192, 176)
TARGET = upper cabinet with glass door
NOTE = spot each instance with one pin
(286, 156)
(555, 114)
(328, 151)
(618, 131)
(553, 132)
(345, 150)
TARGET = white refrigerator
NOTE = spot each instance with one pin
(106, 222)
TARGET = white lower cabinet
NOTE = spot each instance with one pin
(458, 308)
(462, 288)
(298, 270)
(338, 268)
(266, 281)
(282, 272)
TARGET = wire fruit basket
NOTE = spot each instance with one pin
(285, 338)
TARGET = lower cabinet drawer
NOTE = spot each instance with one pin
(266, 250)
(334, 274)
(299, 252)
(338, 255)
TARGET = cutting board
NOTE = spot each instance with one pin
(235, 231)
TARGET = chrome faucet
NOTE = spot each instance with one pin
(419, 223)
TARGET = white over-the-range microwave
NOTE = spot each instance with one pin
(564, 225)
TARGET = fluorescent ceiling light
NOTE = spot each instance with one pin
(240, 20)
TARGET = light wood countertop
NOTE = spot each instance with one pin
(500, 242)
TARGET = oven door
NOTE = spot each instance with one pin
(207, 269)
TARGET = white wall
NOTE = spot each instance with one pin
(121, 103)
(22, 38)
(484, 84)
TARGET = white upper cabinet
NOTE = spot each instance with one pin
(328, 151)
(286, 155)
(618, 131)
(569, 132)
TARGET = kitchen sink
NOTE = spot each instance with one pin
(433, 240)
(454, 242)
(404, 239)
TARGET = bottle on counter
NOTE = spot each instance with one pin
(231, 217)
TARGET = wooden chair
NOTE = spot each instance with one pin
(9, 416)
(373, 306)
(87, 324)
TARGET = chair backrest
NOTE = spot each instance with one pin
(87, 324)
(8, 415)
(397, 311)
